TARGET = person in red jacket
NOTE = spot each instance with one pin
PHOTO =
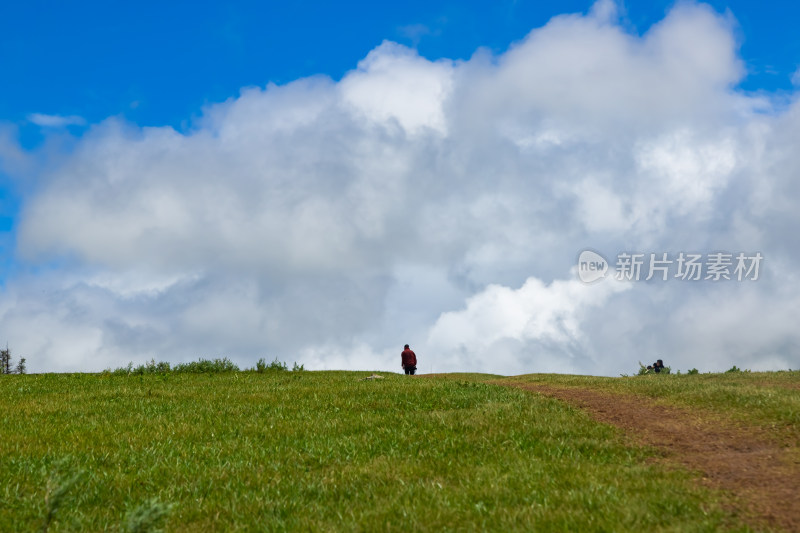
(408, 360)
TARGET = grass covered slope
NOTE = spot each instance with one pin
(738, 430)
(767, 400)
(322, 451)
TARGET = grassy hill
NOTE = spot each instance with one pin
(331, 451)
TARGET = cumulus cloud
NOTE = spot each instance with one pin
(437, 203)
(509, 325)
(393, 84)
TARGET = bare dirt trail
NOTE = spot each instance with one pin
(763, 478)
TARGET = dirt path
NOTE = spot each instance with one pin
(762, 477)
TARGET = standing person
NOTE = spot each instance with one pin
(408, 360)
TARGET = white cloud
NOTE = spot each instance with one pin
(599, 208)
(440, 203)
(394, 83)
(605, 11)
(55, 121)
(521, 326)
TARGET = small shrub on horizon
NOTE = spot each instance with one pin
(206, 366)
(151, 367)
(735, 369)
(120, 371)
(201, 366)
(693, 371)
(274, 366)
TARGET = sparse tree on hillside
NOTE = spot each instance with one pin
(5, 361)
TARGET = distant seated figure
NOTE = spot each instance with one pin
(658, 366)
(408, 360)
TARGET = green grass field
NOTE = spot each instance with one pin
(767, 400)
(328, 451)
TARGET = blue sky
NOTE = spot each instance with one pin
(70, 73)
(158, 63)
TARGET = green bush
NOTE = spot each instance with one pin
(693, 371)
(121, 371)
(206, 366)
(735, 369)
(274, 366)
(151, 367)
(201, 366)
